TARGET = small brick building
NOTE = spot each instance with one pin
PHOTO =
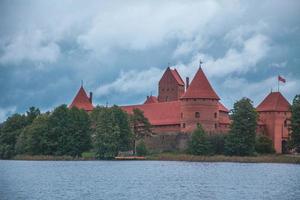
(180, 106)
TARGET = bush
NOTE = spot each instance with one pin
(263, 144)
(141, 149)
(217, 142)
(199, 144)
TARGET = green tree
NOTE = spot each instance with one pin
(199, 144)
(241, 138)
(32, 113)
(106, 133)
(295, 124)
(58, 136)
(141, 149)
(264, 144)
(10, 131)
(217, 142)
(33, 139)
(79, 137)
(121, 119)
(140, 125)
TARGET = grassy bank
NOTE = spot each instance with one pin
(295, 159)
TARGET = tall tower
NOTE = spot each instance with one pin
(199, 105)
(171, 86)
(274, 113)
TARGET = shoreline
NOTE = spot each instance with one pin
(273, 158)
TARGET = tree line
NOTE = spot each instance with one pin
(242, 139)
(107, 131)
(64, 131)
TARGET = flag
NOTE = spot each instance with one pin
(281, 79)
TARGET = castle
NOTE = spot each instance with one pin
(180, 106)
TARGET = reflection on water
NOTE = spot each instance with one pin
(147, 180)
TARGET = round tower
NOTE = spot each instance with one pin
(199, 105)
(274, 115)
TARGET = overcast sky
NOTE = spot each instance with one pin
(120, 50)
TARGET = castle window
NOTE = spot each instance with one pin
(167, 89)
(162, 89)
(215, 115)
(183, 125)
(216, 125)
(285, 123)
(197, 115)
(181, 115)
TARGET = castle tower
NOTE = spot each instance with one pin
(199, 105)
(82, 101)
(274, 113)
(171, 86)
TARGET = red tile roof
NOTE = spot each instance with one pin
(177, 76)
(151, 99)
(275, 101)
(164, 113)
(222, 107)
(200, 88)
(82, 101)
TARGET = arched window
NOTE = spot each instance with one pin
(216, 115)
(183, 125)
(197, 115)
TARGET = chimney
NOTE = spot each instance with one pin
(91, 97)
(187, 82)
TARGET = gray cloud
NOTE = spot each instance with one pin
(46, 48)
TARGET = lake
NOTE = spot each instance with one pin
(35, 180)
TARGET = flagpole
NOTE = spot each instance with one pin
(278, 83)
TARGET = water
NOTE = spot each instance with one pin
(147, 180)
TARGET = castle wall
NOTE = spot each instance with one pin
(167, 142)
(173, 128)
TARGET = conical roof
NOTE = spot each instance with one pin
(151, 99)
(82, 101)
(200, 88)
(275, 101)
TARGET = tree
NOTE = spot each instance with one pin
(295, 124)
(140, 125)
(217, 142)
(264, 144)
(106, 133)
(198, 144)
(141, 149)
(33, 139)
(121, 119)
(32, 113)
(79, 138)
(10, 131)
(58, 136)
(241, 138)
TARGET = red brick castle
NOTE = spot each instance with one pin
(180, 107)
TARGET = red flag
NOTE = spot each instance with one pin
(281, 79)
